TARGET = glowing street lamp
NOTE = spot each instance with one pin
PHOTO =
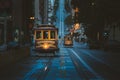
(76, 9)
(32, 18)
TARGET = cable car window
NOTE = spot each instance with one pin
(52, 34)
(45, 35)
(38, 34)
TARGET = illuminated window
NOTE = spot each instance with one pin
(52, 34)
(38, 35)
(45, 35)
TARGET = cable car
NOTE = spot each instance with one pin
(68, 40)
(46, 38)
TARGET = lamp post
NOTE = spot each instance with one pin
(31, 23)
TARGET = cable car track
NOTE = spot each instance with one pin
(39, 73)
(84, 70)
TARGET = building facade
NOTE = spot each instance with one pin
(20, 13)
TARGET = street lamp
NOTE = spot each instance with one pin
(31, 22)
(32, 18)
(76, 9)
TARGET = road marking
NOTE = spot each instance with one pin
(85, 64)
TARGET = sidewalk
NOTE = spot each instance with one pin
(8, 57)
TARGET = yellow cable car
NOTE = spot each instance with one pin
(46, 38)
(68, 40)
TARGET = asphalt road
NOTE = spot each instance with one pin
(70, 63)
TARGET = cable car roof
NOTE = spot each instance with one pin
(45, 27)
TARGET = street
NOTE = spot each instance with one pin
(59, 40)
(70, 63)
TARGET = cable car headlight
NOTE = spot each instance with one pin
(45, 46)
